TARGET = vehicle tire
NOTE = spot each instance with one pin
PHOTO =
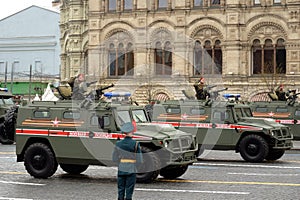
(173, 172)
(149, 169)
(8, 127)
(253, 148)
(39, 161)
(73, 169)
(275, 154)
(10, 124)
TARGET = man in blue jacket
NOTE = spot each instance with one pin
(127, 154)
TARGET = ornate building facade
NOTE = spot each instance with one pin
(157, 48)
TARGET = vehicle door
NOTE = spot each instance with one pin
(220, 132)
(296, 126)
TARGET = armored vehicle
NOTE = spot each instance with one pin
(76, 134)
(285, 111)
(226, 125)
(8, 115)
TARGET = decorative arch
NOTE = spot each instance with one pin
(117, 24)
(163, 33)
(206, 31)
(162, 95)
(267, 29)
(259, 96)
(118, 30)
(159, 22)
(206, 18)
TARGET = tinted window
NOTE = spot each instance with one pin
(139, 116)
(41, 114)
(123, 117)
(282, 110)
(195, 111)
(247, 112)
(173, 110)
(297, 113)
(261, 109)
(71, 115)
(94, 120)
(238, 112)
(220, 116)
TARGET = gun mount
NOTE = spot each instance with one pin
(78, 90)
(206, 92)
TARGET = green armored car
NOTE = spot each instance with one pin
(8, 116)
(76, 134)
(226, 125)
(285, 111)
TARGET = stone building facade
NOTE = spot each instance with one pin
(157, 48)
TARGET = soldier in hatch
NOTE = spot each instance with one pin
(280, 93)
(199, 86)
(79, 87)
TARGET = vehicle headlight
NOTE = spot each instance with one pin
(166, 144)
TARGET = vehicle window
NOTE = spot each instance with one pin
(102, 121)
(220, 116)
(282, 110)
(139, 116)
(71, 115)
(123, 117)
(173, 110)
(94, 120)
(197, 111)
(41, 114)
(261, 109)
(238, 112)
(247, 112)
(297, 113)
(8, 101)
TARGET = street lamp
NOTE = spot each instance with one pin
(12, 75)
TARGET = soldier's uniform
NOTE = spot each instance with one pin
(127, 154)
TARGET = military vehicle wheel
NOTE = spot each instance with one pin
(253, 148)
(10, 124)
(73, 169)
(8, 127)
(275, 154)
(173, 171)
(149, 169)
(40, 161)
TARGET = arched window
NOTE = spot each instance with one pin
(269, 58)
(120, 55)
(198, 58)
(163, 58)
(218, 57)
(207, 58)
(280, 57)
(257, 55)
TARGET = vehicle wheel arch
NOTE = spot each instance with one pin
(246, 133)
(31, 141)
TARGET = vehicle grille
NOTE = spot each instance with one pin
(180, 144)
(282, 133)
